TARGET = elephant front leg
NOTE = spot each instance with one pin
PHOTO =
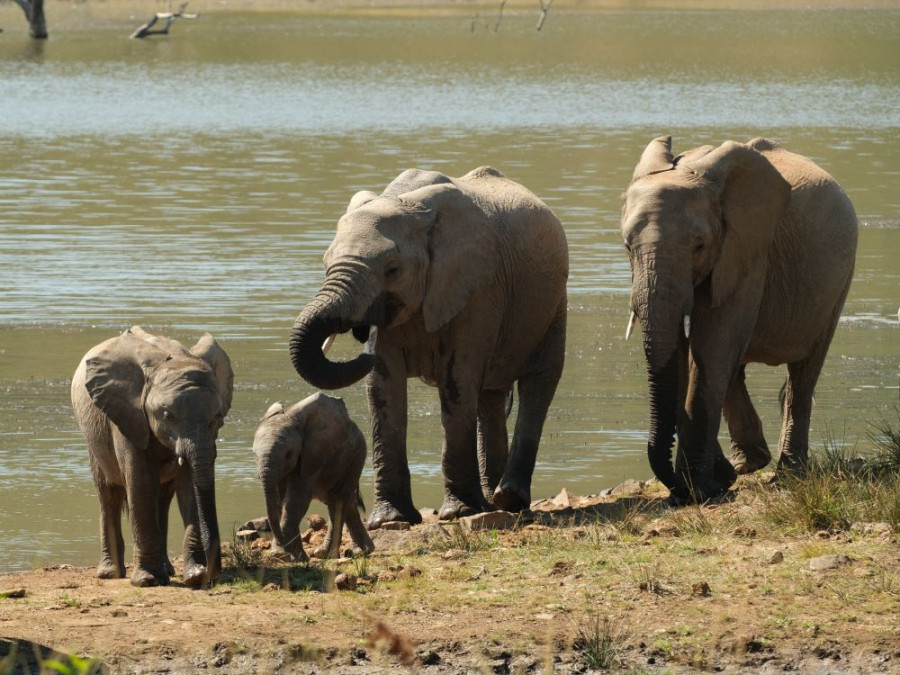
(149, 549)
(386, 391)
(459, 456)
(749, 451)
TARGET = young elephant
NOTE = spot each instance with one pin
(150, 411)
(312, 449)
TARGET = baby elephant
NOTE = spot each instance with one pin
(312, 449)
(150, 411)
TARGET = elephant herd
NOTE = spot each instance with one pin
(741, 253)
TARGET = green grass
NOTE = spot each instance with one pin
(599, 642)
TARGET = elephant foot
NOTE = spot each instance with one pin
(454, 507)
(792, 465)
(510, 497)
(107, 570)
(143, 578)
(383, 511)
(698, 490)
(750, 459)
(168, 567)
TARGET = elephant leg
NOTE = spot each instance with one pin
(793, 446)
(112, 544)
(193, 554)
(749, 451)
(386, 393)
(536, 390)
(142, 487)
(493, 441)
(355, 526)
(331, 546)
(297, 498)
(166, 492)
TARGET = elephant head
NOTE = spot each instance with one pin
(701, 222)
(417, 251)
(159, 394)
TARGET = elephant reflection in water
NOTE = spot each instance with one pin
(461, 282)
(739, 254)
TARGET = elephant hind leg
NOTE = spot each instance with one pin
(112, 544)
(493, 440)
(749, 451)
(793, 445)
(536, 390)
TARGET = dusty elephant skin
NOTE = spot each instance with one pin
(739, 254)
(461, 282)
(311, 450)
(150, 411)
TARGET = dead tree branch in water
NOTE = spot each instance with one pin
(499, 15)
(168, 15)
(544, 10)
(34, 13)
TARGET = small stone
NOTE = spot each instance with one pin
(823, 534)
(345, 582)
(118, 613)
(260, 544)
(258, 524)
(395, 525)
(410, 571)
(246, 535)
(316, 522)
(776, 557)
(562, 500)
(271, 587)
(744, 532)
(828, 562)
(701, 589)
(13, 593)
(630, 487)
(492, 520)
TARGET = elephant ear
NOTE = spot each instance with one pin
(115, 378)
(275, 409)
(753, 197)
(208, 350)
(462, 251)
(360, 199)
(413, 179)
(656, 158)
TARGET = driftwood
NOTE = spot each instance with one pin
(168, 16)
(34, 12)
(544, 10)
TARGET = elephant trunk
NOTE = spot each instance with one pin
(203, 472)
(330, 312)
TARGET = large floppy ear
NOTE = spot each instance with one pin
(462, 251)
(657, 157)
(753, 197)
(208, 350)
(115, 378)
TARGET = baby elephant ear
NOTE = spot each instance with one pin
(115, 378)
(208, 350)
(360, 198)
(275, 409)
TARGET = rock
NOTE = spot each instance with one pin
(118, 613)
(776, 557)
(13, 593)
(744, 532)
(701, 589)
(878, 529)
(271, 587)
(316, 522)
(260, 544)
(828, 562)
(399, 525)
(246, 535)
(258, 524)
(410, 572)
(429, 515)
(492, 520)
(823, 534)
(562, 500)
(629, 488)
(345, 582)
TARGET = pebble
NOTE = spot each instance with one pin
(828, 562)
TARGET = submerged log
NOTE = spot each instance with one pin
(168, 16)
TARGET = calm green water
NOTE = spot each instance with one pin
(192, 183)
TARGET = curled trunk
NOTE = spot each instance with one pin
(313, 326)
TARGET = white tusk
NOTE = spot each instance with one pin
(630, 325)
(687, 326)
(180, 460)
(328, 342)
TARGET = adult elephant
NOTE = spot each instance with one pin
(150, 411)
(739, 254)
(461, 282)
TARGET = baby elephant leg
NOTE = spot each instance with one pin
(332, 544)
(357, 530)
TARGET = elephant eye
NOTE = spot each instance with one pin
(393, 271)
(167, 415)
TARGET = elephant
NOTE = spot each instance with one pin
(150, 411)
(312, 449)
(462, 283)
(741, 253)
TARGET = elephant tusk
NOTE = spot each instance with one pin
(180, 460)
(328, 342)
(630, 325)
(687, 326)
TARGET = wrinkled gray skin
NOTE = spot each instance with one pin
(756, 245)
(150, 411)
(461, 282)
(311, 450)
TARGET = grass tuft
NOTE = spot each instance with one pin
(599, 642)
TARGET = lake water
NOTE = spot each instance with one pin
(192, 183)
